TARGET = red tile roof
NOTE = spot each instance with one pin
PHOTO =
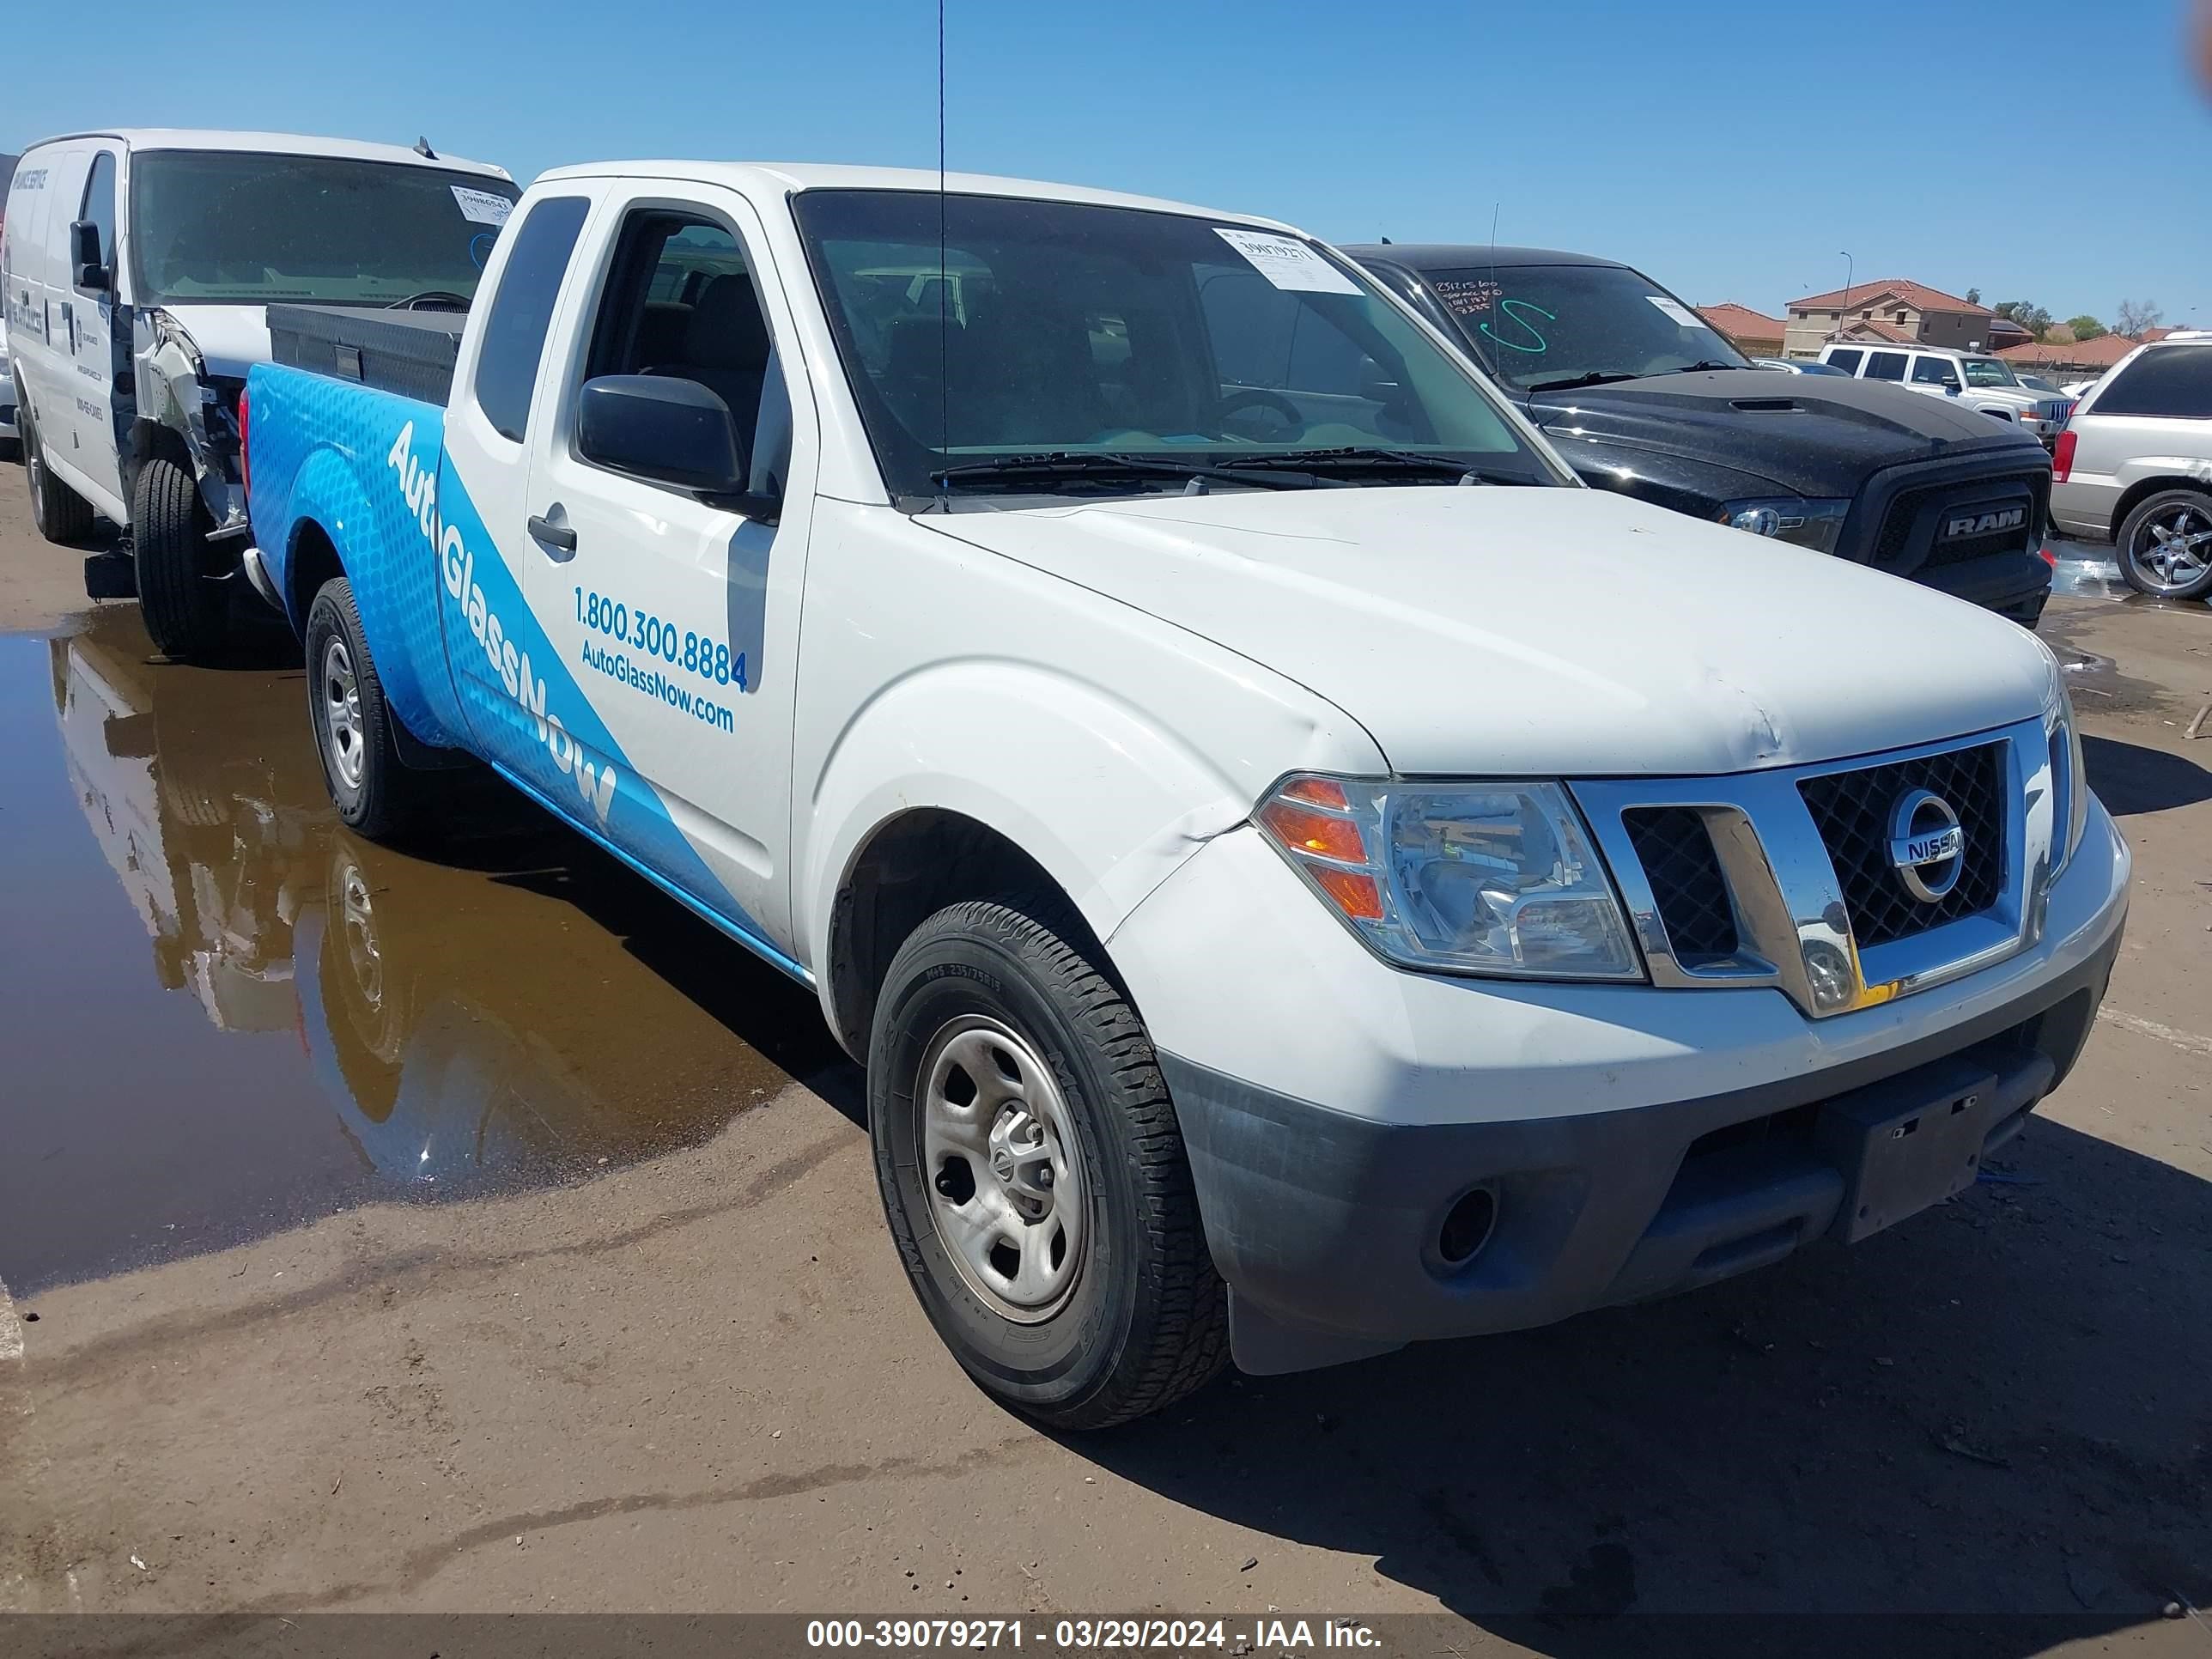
(2100, 353)
(1742, 322)
(1860, 295)
(1874, 325)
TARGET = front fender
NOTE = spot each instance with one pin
(1108, 802)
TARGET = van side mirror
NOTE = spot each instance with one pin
(89, 269)
(671, 430)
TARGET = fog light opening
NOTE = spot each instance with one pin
(1467, 1227)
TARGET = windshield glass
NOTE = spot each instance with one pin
(1988, 371)
(224, 227)
(1533, 325)
(1060, 328)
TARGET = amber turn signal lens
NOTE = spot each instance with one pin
(1303, 831)
(1355, 895)
(1318, 792)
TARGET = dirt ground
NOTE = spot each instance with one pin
(673, 1365)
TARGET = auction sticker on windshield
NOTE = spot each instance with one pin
(1288, 263)
(481, 206)
(1676, 310)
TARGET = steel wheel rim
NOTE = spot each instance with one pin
(357, 918)
(2173, 549)
(343, 731)
(1001, 1169)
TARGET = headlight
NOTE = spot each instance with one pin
(1465, 878)
(1813, 524)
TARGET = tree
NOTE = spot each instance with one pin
(2030, 316)
(1973, 296)
(2085, 327)
(2137, 318)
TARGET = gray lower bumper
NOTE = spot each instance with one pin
(1326, 1226)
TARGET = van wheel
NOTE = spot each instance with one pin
(185, 612)
(61, 515)
(1034, 1176)
(376, 793)
(2165, 545)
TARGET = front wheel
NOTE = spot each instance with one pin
(376, 793)
(2165, 545)
(185, 609)
(1034, 1176)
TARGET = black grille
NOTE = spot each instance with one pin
(1909, 538)
(1678, 862)
(1851, 810)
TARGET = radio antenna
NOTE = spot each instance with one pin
(944, 310)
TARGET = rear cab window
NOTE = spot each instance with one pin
(2169, 382)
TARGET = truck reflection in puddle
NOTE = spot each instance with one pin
(514, 1021)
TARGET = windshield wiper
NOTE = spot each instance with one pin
(1062, 464)
(1595, 377)
(1692, 369)
(1353, 458)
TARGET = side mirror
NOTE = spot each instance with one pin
(90, 269)
(671, 430)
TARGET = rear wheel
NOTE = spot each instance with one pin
(2165, 545)
(375, 792)
(184, 609)
(61, 515)
(1034, 1176)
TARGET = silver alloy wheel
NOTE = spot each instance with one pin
(2176, 546)
(344, 734)
(1004, 1176)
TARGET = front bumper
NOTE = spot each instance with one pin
(2013, 585)
(1635, 1142)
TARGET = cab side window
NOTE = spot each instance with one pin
(681, 301)
(98, 207)
(1933, 371)
(2170, 381)
(1885, 366)
(522, 311)
(1847, 361)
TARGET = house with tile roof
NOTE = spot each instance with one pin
(1890, 308)
(1753, 333)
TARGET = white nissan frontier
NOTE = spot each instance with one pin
(1303, 874)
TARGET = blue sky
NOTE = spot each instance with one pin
(2037, 149)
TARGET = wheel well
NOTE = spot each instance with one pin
(911, 868)
(2134, 496)
(312, 560)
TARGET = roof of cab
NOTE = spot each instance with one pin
(793, 176)
(1458, 255)
(273, 143)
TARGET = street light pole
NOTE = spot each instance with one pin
(1849, 268)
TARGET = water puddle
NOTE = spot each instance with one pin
(223, 1013)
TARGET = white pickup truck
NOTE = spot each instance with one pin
(1124, 661)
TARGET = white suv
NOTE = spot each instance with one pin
(2134, 466)
(1974, 378)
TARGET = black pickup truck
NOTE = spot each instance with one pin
(1641, 396)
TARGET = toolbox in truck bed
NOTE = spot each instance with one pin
(408, 352)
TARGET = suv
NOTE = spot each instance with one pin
(2134, 467)
(1641, 397)
(138, 266)
(1974, 378)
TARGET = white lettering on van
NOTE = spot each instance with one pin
(510, 666)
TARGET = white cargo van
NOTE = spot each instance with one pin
(138, 266)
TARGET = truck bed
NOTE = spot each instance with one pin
(410, 353)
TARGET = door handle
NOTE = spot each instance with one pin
(553, 535)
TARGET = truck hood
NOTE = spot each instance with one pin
(1539, 631)
(231, 338)
(1812, 436)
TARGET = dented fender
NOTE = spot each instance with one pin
(174, 394)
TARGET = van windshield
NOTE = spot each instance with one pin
(1548, 327)
(224, 227)
(1066, 348)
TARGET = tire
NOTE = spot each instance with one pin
(2165, 546)
(185, 612)
(62, 515)
(1139, 1317)
(376, 793)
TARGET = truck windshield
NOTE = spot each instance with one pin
(1064, 348)
(1547, 327)
(224, 227)
(1988, 371)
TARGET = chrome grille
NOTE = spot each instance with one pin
(1851, 811)
(1677, 855)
